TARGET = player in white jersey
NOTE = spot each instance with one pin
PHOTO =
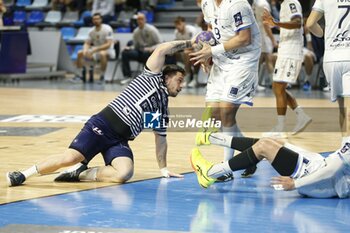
(98, 47)
(268, 42)
(288, 65)
(308, 172)
(234, 74)
(336, 61)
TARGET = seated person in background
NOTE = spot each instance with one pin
(68, 5)
(98, 47)
(104, 7)
(184, 31)
(2, 11)
(145, 39)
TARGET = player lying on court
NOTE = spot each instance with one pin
(109, 131)
(308, 172)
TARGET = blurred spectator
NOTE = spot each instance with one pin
(145, 39)
(185, 31)
(68, 5)
(105, 8)
(2, 11)
(99, 47)
(309, 58)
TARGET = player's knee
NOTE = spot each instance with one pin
(122, 175)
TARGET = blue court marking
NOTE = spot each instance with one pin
(181, 205)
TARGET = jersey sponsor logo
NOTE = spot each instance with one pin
(238, 19)
(233, 92)
(293, 8)
(97, 130)
(151, 120)
(343, 36)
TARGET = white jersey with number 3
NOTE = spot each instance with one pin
(227, 19)
(337, 31)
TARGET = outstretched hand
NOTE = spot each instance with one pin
(167, 174)
(202, 55)
(282, 183)
(268, 19)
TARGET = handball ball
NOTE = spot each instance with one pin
(206, 37)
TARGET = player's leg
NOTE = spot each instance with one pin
(50, 164)
(281, 158)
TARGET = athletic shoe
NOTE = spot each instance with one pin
(225, 178)
(302, 123)
(249, 172)
(307, 86)
(201, 167)
(72, 176)
(202, 138)
(15, 178)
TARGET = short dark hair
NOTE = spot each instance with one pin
(97, 14)
(179, 19)
(172, 70)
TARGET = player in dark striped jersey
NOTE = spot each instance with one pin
(109, 131)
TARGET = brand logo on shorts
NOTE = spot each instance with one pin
(151, 120)
(97, 130)
(233, 92)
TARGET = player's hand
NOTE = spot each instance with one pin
(167, 174)
(206, 66)
(268, 19)
(282, 183)
(202, 55)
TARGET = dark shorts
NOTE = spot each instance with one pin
(97, 137)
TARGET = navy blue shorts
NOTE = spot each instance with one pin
(97, 137)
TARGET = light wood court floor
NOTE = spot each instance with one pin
(19, 152)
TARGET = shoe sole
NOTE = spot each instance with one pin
(195, 171)
(302, 129)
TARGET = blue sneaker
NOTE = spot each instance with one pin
(307, 86)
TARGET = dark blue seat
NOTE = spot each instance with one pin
(68, 33)
(35, 17)
(74, 55)
(80, 22)
(19, 17)
(23, 2)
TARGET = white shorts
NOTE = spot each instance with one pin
(110, 52)
(307, 51)
(308, 162)
(235, 86)
(338, 76)
(286, 70)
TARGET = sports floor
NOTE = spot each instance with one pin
(40, 118)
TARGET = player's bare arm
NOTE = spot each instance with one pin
(312, 23)
(156, 60)
(161, 155)
(105, 46)
(295, 22)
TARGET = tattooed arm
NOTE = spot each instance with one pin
(156, 61)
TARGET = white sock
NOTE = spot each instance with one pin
(281, 119)
(219, 169)
(228, 152)
(299, 111)
(89, 174)
(220, 139)
(30, 171)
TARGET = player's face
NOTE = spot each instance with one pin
(141, 21)
(180, 27)
(175, 84)
(97, 20)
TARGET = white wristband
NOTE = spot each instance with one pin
(217, 49)
(165, 172)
